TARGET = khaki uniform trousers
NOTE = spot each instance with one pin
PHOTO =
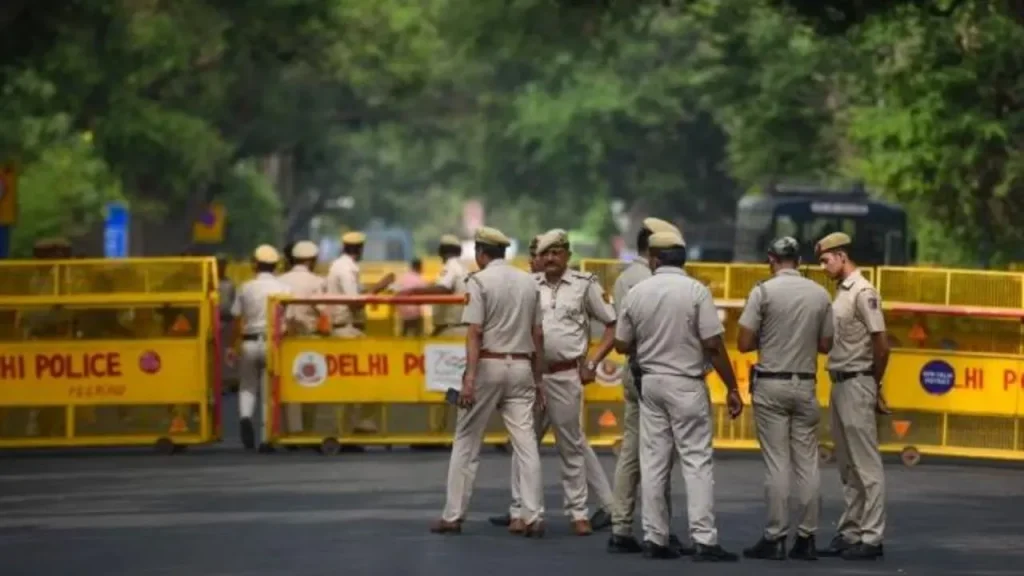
(252, 384)
(441, 415)
(627, 467)
(786, 413)
(675, 416)
(855, 433)
(564, 407)
(505, 385)
(365, 413)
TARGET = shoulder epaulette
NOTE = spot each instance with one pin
(585, 276)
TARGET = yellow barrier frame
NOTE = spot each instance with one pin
(104, 378)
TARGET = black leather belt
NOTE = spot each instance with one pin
(844, 376)
(253, 337)
(447, 326)
(786, 375)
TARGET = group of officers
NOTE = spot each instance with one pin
(528, 357)
(527, 343)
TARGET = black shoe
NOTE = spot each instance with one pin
(658, 552)
(676, 544)
(713, 554)
(248, 434)
(600, 520)
(766, 549)
(623, 545)
(500, 520)
(803, 549)
(863, 551)
(836, 547)
(266, 449)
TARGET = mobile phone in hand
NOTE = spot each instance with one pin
(451, 396)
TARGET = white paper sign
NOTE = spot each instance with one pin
(445, 364)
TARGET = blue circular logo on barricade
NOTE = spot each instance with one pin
(937, 377)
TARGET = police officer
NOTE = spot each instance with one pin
(305, 318)
(672, 321)
(596, 480)
(251, 306)
(447, 318)
(349, 320)
(627, 467)
(504, 365)
(856, 365)
(226, 290)
(788, 319)
(569, 300)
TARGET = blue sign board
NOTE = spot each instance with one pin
(937, 377)
(115, 231)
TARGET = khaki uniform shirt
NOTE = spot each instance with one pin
(304, 284)
(637, 271)
(343, 280)
(251, 302)
(568, 305)
(858, 314)
(453, 277)
(789, 314)
(668, 316)
(505, 302)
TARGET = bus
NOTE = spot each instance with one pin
(808, 213)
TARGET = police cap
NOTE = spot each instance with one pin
(666, 241)
(491, 237)
(833, 241)
(533, 244)
(353, 238)
(305, 250)
(655, 225)
(266, 254)
(450, 240)
(786, 248)
(556, 238)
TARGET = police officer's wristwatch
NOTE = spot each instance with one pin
(591, 365)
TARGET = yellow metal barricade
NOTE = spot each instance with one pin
(109, 352)
(956, 374)
(374, 390)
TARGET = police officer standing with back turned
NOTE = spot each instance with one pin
(627, 467)
(856, 365)
(349, 320)
(504, 365)
(788, 319)
(305, 318)
(672, 321)
(251, 306)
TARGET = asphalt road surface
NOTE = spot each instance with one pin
(218, 512)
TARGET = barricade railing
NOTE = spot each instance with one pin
(240, 271)
(949, 403)
(109, 352)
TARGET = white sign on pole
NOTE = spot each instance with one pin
(444, 366)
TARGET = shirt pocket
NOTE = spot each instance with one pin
(850, 329)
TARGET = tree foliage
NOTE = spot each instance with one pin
(546, 110)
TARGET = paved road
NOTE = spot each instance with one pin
(220, 513)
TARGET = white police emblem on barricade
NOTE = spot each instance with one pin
(309, 369)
